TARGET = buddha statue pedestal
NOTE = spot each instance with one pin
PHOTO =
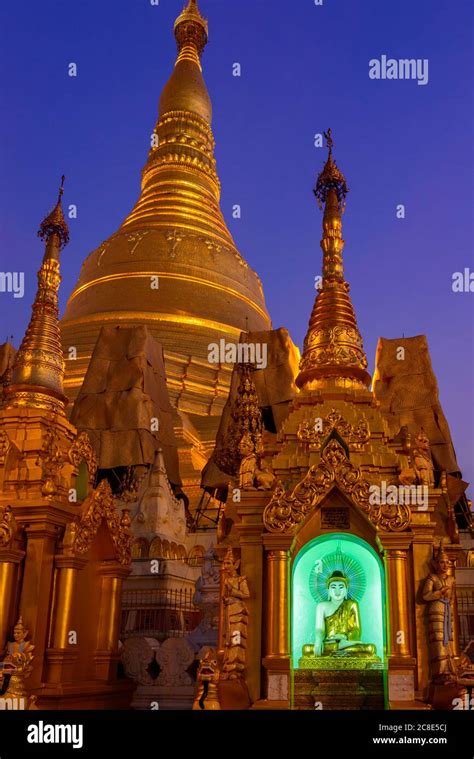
(364, 659)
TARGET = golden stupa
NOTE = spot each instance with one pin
(176, 231)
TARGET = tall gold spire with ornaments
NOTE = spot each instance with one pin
(57, 572)
(38, 369)
(176, 231)
(333, 352)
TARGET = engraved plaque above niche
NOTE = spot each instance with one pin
(335, 518)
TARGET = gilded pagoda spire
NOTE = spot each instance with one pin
(176, 231)
(333, 347)
(38, 369)
(179, 179)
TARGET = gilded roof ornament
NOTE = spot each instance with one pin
(55, 221)
(100, 506)
(191, 27)
(287, 509)
(331, 178)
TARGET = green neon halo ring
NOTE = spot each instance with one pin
(343, 562)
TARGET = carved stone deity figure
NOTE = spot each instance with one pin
(438, 592)
(234, 591)
(248, 463)
(17, 663)
(338, 626)
(422, 461)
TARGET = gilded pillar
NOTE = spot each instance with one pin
(277, 619)
(277, 638)
(10, 559)
(36, 590)
(106, 655)
(62, 653)
(400, 604)
(398, 596)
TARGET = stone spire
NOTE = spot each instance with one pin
(333, 348)
(38, 369)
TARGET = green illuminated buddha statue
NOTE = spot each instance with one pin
(338, 626)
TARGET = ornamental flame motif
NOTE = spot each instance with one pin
(356, 435)
(286, 510)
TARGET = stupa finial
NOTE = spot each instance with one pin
(55, 222)
(331, 178)
(191, 28)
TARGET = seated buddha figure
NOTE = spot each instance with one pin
(338, 626)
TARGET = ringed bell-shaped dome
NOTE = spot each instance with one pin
(172, 265)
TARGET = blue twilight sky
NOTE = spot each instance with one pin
(304, 68)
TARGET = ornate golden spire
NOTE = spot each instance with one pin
(180, 176)
(38, 369)
(333, 345)
(191, 29)
(185, 90)
(177, 232)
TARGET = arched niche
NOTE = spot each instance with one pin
(140, 548)
(166, 548)
(316, 560)
(156, 549)
(196, 556)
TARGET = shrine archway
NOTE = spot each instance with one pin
(312, 567)
(349, 669)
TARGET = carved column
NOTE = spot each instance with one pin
(36, 590)
(112, 575)
(396, 565)
(401, 678)
(10, 558)
(61, 655)
(277, 643)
